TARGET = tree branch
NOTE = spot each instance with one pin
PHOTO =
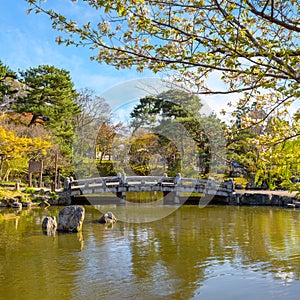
(271, 17)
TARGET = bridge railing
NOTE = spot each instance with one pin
(123, 180)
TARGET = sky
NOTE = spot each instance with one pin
(29, 40)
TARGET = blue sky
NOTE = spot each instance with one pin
(29, 40)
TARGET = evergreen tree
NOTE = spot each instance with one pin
(50, 99)
(175, 117)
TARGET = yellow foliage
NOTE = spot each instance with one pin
(12, 146)
(7, 193)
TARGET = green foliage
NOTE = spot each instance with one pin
(241, 152)
(280, 165)
(49, 98)
(84, 167)
(181, 131)
(54, 195)
(106, 168)
(266, 145)
(171, 104)
(175, 168)
(278, 160)
(29, 190)
(16, 168)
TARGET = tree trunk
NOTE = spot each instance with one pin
(33, 120)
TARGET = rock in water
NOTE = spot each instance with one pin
(49, 225)
(70, 218)
(107, 218)
(16, 205)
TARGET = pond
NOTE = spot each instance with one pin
(215, 252)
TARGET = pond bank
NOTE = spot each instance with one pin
(253, 197)
(264, 197)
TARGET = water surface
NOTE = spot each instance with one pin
(216, 252)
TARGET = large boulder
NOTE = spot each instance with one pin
(107, 218)
(70, 218)
(49, 225)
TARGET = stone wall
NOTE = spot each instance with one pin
(267, 199)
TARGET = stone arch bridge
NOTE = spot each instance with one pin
(172, 187)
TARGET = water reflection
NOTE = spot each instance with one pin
(70, 241)
(137, 212)
(210, 253)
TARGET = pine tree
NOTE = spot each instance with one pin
(50, 99)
